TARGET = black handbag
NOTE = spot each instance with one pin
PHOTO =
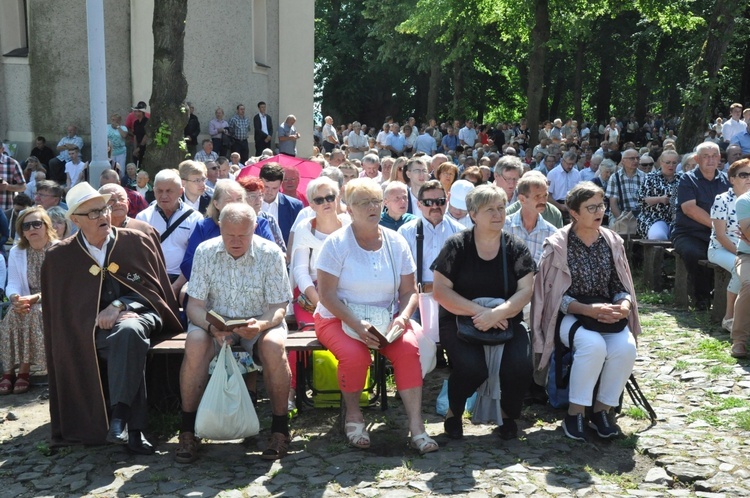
(466, 330)
(593, 324)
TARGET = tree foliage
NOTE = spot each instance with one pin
(480, 58)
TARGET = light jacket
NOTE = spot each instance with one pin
(554, 279)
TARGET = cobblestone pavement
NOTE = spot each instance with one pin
(698, 447)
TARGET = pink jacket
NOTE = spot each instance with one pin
(553, 280)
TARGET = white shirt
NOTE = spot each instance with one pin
(98, 254)
(732, 128)
(271, 208)
(263, 123)
(561, 182)
(175, 245)
(465, 221)
(434, 239)
(195, 205)
(365, 277)
(468, 135)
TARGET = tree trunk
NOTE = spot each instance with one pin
(745, 82)
(604, 91)
(578, 83)
(696, 113)
(433, 93)
(168, 114)
(558, 87)
(458, 88)
(535, 90)
(642, 62)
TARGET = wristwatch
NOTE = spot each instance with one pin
(118, 304)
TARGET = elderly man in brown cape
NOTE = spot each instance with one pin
(106, 293)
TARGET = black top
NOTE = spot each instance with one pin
(592, 269)
(44, 154)
(694, 186)
(139, 130)
(472, 276)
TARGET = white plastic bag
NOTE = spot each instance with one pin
(427, 352)
(428, 312)
(226, 411)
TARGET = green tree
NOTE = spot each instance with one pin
(168, 115)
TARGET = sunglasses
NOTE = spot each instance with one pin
(322, 200)
(433, 202)
(28, 225)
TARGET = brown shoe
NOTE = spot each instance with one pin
(278, 446)
(187, 448)
(739, 350)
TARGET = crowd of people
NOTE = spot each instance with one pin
(467, 218)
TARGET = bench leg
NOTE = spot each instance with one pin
(653, 261)
(721, 280)
(682, 287)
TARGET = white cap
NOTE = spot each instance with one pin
(459, 190)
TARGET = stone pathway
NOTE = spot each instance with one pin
(699, 446)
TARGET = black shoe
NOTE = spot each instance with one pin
(573, 427)
(139, 445)
(509, 429)
(454, 427)
(603, 426)
(118, 431)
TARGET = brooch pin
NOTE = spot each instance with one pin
(95, 270)
(113, 267)
(133, 277)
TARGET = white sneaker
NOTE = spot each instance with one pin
(727, 323)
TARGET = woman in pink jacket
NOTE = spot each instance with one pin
(584, 275)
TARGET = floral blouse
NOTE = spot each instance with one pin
(723, 209)
(593, 272)
(656, 185)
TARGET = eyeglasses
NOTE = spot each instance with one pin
(433, 202)
(213, 168)
(743, 175)
(630, 158)
(28, 225)
(419, 171)
(40, 194)
(197, 181)
(645, 165)
(509, 180)
(322, 200)
(369, 203)
(95, 214)
(594, 208)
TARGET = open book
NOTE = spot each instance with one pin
(390, 336)
(223, 323)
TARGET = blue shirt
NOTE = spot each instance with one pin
(450, 142)
(396, 141)
(388, 222)
(694, 186)
(742, 210)
(743, 140)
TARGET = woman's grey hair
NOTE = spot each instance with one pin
(334, 174)
(582, 192)
(57, 213)
(321, 181)
(608, 165)
(223, 187)
(483, 195)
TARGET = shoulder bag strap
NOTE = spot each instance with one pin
(621, 200)
(387, 243)
(420, 251)
(171, 228)
(505, 263)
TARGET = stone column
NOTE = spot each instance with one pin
(97, 89)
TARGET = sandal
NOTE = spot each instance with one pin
(424, 444)
(6, 384)
(187, 448)
(278, 446)
(739, 350)
(22, 384)
(357, 435)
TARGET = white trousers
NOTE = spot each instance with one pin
(726, 260)
(596, 356)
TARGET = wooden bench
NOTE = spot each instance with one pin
(304, 342)
(653, 261)
(683, 284)
(721, 280)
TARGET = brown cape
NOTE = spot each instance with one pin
(71, 293)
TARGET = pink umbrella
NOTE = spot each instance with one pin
(308, 170)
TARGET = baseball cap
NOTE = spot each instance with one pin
(459, 190)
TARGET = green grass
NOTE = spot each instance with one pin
(625, 481)
(636, 412)
(714, 349)
(681, 365)
(743, 421)
(630, 441)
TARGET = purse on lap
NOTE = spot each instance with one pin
(466, 330)
(593, 324)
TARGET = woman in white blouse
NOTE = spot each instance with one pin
(365, 264)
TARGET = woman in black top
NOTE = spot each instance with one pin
(470, 266)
